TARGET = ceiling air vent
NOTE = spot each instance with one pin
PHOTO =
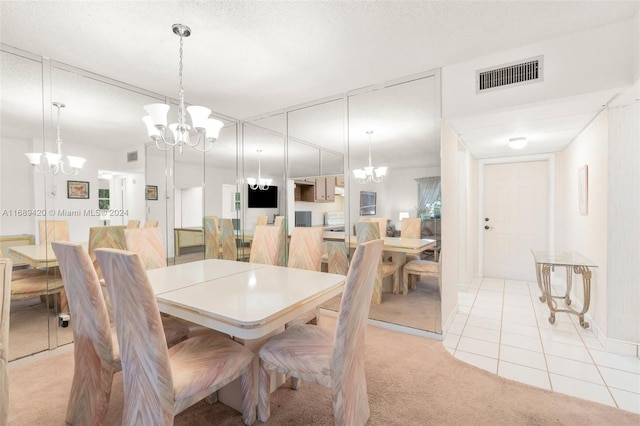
(515, 73)
(132, 156)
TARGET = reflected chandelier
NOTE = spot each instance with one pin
(55, 162)
(206, 129)
(369, 173)
(261, 184)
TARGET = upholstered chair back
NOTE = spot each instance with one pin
(151, 224)
(305, 248)
(53, 230)
(410, 227)
(262, 220)
(265, 245)
(229, 247)
(147, 244)
(105, 237)
(133, 224)
(211, 238)
(338, 261)
(5, 303)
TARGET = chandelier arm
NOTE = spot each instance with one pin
(168, 145)
(65, 172)
(206, 149)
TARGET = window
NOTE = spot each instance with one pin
(103, 199)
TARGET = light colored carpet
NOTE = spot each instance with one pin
(411, 380)
(419, 309)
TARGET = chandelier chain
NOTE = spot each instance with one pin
(181, 113)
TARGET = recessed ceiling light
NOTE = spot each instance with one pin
(517, 143)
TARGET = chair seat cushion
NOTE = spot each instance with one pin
(421, 266)
(201, 362)
(389, 268)
(20, 274)
(36, 285)
(303, 351)
(174, 330)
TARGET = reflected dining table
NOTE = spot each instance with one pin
(250, 302)
(397, 247)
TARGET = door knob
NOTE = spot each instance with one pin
(488, 227)
(486, 219)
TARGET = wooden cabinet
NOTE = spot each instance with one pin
(340, 181)
(319, 190)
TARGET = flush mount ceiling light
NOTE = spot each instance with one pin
(517, 143)
(206, 129)
(55, 162)
(369, 173)
(259, 183)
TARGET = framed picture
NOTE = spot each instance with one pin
(367, 203)
(151, 192)
(77, 189)
(583, 189)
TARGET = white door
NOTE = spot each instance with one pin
(515, 218)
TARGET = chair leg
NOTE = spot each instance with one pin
(405, 282)
(264, 393)
(90, 394)
(249, 397)
(295, 383)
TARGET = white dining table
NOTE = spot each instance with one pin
(250, 302)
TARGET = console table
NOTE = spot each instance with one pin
(574, 263)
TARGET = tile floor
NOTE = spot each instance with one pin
(503, 327)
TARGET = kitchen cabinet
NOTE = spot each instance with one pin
(318, 190)
(340, 181)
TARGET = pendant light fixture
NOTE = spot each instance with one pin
(370, 173)
(205, 129)
(259, 183)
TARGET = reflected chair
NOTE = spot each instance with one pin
(147, 244)
(105, 237)
(159, 382)
(266, 245)
(419, 267)
(151, 224)
(335, 361)
(96, 357)
(410, 228)
(5, 303)
(338, 258)
(367, 231)
(229, 246)
(262, 220)
(53, 230)
(211, 238)
(133, 224)
(304, 253)
(281, 223)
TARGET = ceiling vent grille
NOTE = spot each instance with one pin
(516, 73)
(132, 156)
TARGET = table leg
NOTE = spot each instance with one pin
(539, 280)
(567, 294)
(398, 258)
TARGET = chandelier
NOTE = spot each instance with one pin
(206, 129)
(261, 184)
(370, 174)
(54, 162)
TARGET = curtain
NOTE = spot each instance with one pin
(428, 193)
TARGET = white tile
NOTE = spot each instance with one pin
(464, 309)
(490, 296)
(627, 400)
(460, 318)
(489, 364)
(561, 337)
(563, 350)
(513, 309)
(451, 340)
(492, 284)
(620, 362)
(517, 300)
(620, 379)
(592, 342)
(484, 313)
(520, 341)
(520, 373)
(484, 322)
(581, 389)
(479, 347)
(521, 329)
(456, 328)
(523, 357)
(522, 318)
(488, 305)
(481, 333)
(574, 369)
(622, 348)
(450, 350)
(516, 287)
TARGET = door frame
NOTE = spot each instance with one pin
(550, 159)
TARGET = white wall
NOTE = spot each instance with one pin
(636, 47)
(623, 243)
(401, 194)
(16, 183)
(586, 234)
(450, 239)
(589, 61)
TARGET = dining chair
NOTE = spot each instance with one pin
(367, 231)
(229, 246)
(281, 223)
(159, 382)
(133, 224)
(5, 304)
(305, 251)
(419, 267)
(105, 236)
(318, 355)
(151, 224)
(265, 245)
(410, 228)
(211, 238)
(262, 220)
(96, 357)
(53, 230)
(338, 258)
(147, 244)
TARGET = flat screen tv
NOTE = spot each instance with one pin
(267, 199)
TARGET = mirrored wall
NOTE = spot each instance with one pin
(306, 151)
